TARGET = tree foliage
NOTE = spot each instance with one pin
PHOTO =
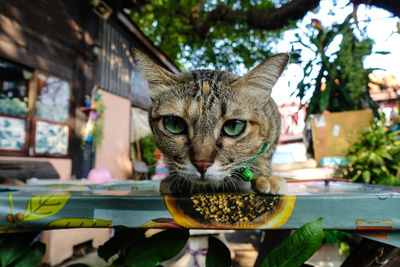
(223, 34)
(374, 158)
(218, 34)
(338, 79)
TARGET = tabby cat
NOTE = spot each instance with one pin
(209, 124)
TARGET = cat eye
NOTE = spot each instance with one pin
(175, 125)
(233, 128)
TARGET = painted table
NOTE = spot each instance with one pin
(365, 209)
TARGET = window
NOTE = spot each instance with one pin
(12, 134)
(14, 83)
(33, 112)
(52, 101)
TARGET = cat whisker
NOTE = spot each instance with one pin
(174, 179)
(223, 186)
(230, 184)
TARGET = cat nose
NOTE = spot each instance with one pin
(202, 166)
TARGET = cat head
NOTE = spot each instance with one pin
(208, 123)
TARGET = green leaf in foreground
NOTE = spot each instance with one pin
(14, 246)
(158, 248)
(297, 248)
(218, 255)
(33, 256)
(122, 239)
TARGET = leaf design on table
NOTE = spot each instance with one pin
(7, 229)
(80, 222)
(39, 207)
(161, 223)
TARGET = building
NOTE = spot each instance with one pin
(387, 97)
(53, 54)
(292, 122)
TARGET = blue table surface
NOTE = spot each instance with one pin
(343, 205)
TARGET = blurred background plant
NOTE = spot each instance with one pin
(335, 75)
(346, 242)
(199, 34)
(98, 124)
(147, 148)
(93, 130)
(375, 157)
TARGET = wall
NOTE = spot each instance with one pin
(54, 37)
(47, 35)
(113, 153)
(60, 242)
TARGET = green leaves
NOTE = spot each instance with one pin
(33, 256)
(17, 249)
(297, 248)
(134, 250)
(130, 247)
(338, 78)
(218, 255)
(147, 146)
(366, 176)
(154, 250)
(374, 157)
(335, 236)
(343, 239)
(120, 242)
(226, 45)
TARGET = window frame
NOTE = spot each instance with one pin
(31, 119)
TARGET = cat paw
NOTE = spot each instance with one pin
(272, 185)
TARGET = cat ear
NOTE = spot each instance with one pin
(159, 79)
(265, 75)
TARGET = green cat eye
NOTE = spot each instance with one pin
(175, 124)
(233, 128)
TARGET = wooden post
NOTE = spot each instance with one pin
(138, 150)
(32, 97)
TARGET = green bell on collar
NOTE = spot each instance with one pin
(247, 174)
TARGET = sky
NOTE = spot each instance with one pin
(376, 23)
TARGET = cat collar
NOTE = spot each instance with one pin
(248, 174)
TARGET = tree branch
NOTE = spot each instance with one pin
(272, 19)
(389, 5)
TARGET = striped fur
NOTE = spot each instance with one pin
(206, 99)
